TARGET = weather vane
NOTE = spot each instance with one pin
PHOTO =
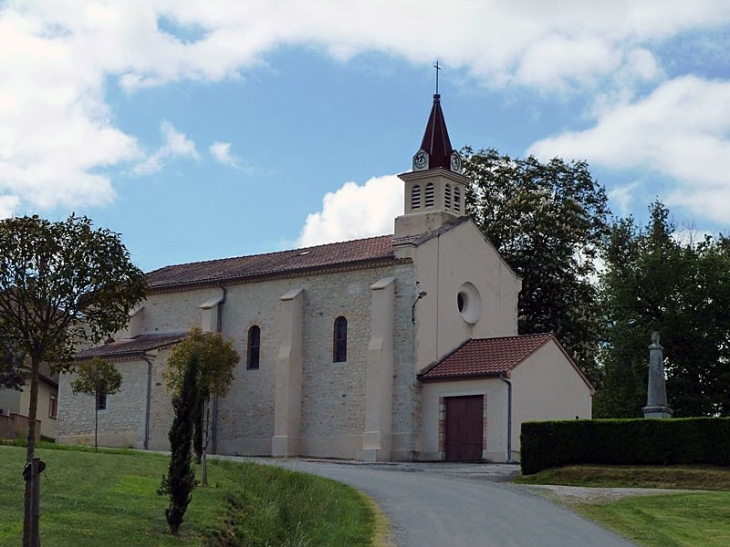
(437, 67)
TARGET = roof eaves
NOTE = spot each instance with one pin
(464, 376)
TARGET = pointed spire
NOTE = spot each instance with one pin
(436, 138)
(436, 144)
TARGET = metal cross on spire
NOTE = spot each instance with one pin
(437, 67)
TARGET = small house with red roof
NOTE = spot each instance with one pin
(398, 347)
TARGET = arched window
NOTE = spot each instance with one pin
(429, 194)
(457, 199)
(253, 349)
(339, 341)
(416, 197)
(447, 196)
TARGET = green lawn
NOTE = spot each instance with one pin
(91, 499)
(677, 520)
(688, 520)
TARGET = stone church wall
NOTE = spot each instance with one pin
(333, 394)
(121, 424)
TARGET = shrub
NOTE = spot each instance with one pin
(625, 442)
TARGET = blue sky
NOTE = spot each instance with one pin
(206, 130)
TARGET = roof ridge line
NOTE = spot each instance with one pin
(270, 253)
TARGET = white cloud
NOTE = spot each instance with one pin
(355, 211)
(176, 145)
(58, 140)
(221, 152)
(704, 201)
(623, 196)
(8, 205)
(681, 131)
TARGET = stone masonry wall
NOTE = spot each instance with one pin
(121, 424)
(333, 394)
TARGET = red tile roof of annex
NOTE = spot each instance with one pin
(486, 357)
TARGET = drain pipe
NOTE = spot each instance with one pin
(148, 405)
(219, 328)
(503, 377)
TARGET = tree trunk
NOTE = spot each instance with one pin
(203, 456)
(96, 423)
(30, 528)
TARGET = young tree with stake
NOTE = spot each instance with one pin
(98, 378)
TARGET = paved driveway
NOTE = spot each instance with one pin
(437, 505)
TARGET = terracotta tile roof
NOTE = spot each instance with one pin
(132, 347)
(486, 357)
(239, 268)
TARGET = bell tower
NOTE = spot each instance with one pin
(435, 190)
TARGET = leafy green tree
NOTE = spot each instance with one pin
(61, 284)
(654, 282)
(12, 375)
(548, 221)
(98, 378)
(216, 360)
(180, 479)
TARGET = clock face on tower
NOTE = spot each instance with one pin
(455, 162)
(420, 161)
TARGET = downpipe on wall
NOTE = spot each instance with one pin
(148, 403)
(219, 328)
(503, 377)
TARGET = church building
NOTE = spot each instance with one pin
(392, 348)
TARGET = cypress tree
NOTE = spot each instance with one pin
(180, 479)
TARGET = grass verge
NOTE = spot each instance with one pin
(678, 520)
(108, 498)
(680, 477)
(688, 520)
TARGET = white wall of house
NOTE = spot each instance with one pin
(45, 392)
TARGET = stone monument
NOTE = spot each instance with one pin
(656, 400)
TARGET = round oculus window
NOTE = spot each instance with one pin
(469, 303)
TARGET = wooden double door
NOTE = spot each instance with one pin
(464, 435)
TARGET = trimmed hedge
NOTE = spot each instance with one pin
(625, 442)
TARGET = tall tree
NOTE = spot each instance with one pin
(98, 378)
(548, 221)
(12, 375)
(654, 282)
(180, 479)
(61, 284)
(216, 358)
